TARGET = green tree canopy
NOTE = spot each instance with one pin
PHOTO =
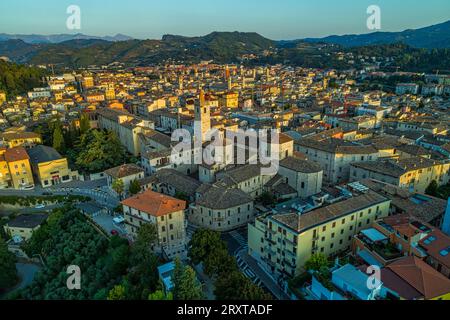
(433, 189)
(186, 284)
(317, 262)
(203, 243)
(117, 293)
(159, 295)
(118, 186)
(58, 140)
(8, 272)
(134, 188)
(99, 150)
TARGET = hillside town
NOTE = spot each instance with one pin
(361, 187)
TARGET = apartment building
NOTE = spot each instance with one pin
(15, 169)
(392, 238)
(18, 138)
(335, 156)
(126, 126)
(414, 174)
(166, 213)
(283, 242)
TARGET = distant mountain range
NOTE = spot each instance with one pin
(220, 46)
(226, 47)
(58, 38)
(437, 36)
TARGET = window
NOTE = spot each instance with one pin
(171, 227)
(334, 224)
(324, 228)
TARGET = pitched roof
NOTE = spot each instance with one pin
(219, 197)
(421, 276)
(155, 204)
(27, 221)
(182, 183)
(42, 153)
(331, 212)
(124, 170)
(16, 154)
(299, 165)
(437, 245)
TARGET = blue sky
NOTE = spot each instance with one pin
(275, 19)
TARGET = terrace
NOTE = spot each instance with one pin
(379, 246)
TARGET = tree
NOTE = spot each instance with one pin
(134, 188)
(433, 189)
(186, 284)
(98, 150)
(142, 279)
(118, 187)
(316, 262)
(117, 293)
(84, 123)
(235, 286)
(58, 139)
(159, 295)
(203, 243)
(267, 199)
(8, 272)
(147, 237)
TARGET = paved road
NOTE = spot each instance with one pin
(106, 222)
(97, 190)
(268, 282)
(26, 273)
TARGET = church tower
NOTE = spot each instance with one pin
(203, 116)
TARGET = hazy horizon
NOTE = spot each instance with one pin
(282, 20)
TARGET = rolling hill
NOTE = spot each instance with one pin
(220, 46)
(436, 36)
(58, 38)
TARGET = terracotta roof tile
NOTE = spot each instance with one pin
(155, 204)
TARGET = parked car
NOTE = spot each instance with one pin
(114, 232)
(40, 206)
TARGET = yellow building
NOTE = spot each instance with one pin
(87, 82)
(95, 97)
(20, 139)
(2, 98)
(414, 174)
(229, 100)
(24, 225)
(49, 167)
(284, 242)
(110, 93)
(15, 169)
